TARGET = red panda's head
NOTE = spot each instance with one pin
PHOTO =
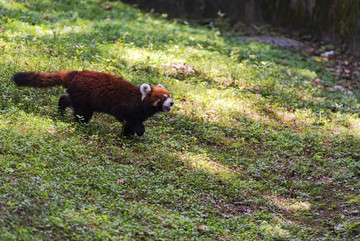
(156, 96)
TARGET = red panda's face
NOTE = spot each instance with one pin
(157, 96)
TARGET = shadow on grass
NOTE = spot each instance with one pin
(145, 31)
(232, 170)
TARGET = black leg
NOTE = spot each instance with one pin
(83, 117)
(82, 113)
(128, 129)
(64, 102)
(139, 128)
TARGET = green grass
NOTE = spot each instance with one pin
(252, 149)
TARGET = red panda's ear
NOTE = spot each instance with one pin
(144, 89)
(161, 86)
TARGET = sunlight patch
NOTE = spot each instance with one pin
(134, 55)
(288, 205)
(355, 126)
(274, 230)
(25, 124)
(203, 162)
(306, 73)
(218, 106)
(13, 5)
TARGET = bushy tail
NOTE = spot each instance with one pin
(35, 79)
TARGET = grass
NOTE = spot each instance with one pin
(253, 150)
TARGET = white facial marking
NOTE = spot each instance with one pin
(165, 95)
(167, 104)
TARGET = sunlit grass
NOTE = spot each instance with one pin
(201, 162)
(252, 149)
(288, 205)
(275, 231)
(27, 124)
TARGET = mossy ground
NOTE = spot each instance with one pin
(253, 149)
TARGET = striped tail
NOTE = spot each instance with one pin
(35, 79)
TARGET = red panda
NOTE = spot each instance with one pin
(90, 91)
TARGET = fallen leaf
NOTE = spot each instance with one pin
(329, 89)
(317, 81)
(202, 227)
(120, 181)
(342, 89)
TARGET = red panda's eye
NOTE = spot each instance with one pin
(164, 98)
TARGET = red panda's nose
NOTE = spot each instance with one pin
(171, 103)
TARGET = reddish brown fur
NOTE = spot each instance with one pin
(158, 93)
(41, 80)
(90, 91)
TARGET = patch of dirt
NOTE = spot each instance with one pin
(281, 42)
(180, 70)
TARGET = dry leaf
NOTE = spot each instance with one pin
(120, 181)
(202, 227)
